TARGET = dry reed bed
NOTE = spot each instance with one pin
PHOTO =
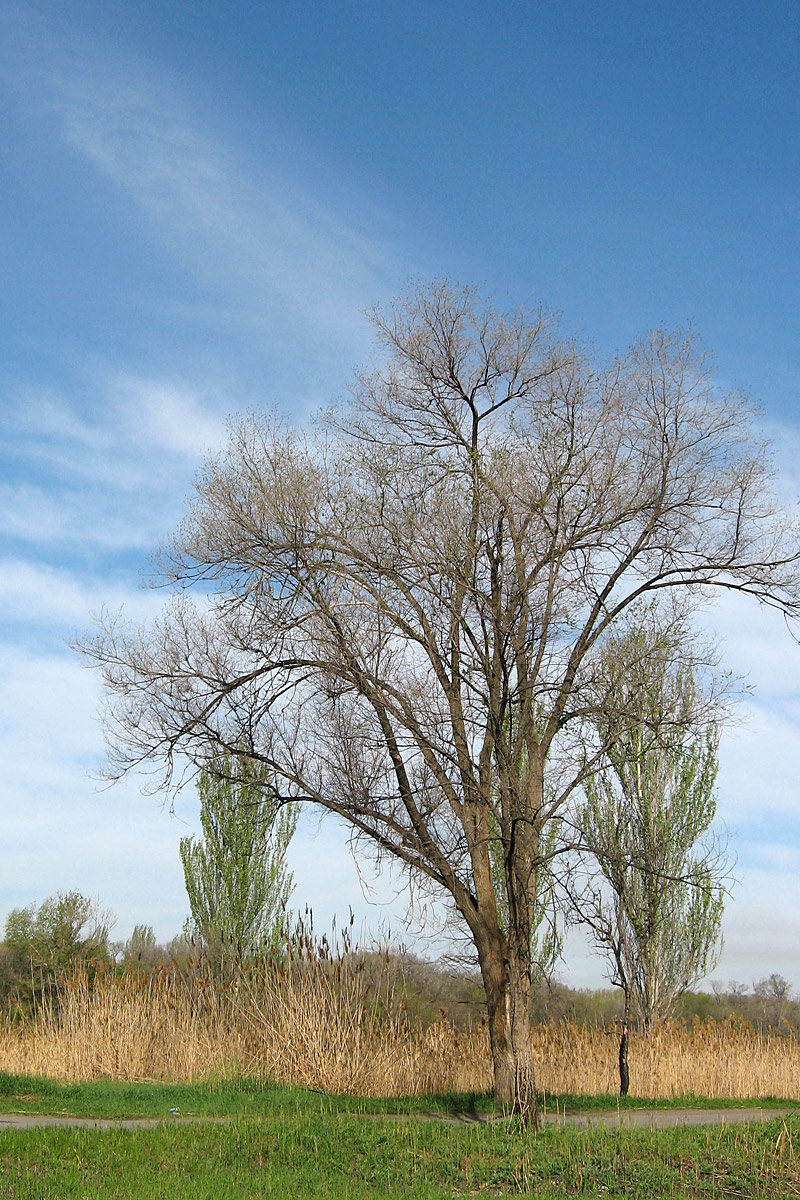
(317, 1024)
(723, 1060)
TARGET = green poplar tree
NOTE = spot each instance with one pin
(236, 876)
(655, 900)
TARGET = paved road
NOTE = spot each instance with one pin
(37, 1121)
(635, 1118)
(665, 1118)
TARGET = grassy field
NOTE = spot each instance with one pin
(290, 1143)
(309, 1083)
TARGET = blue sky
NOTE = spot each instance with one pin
(199, 203)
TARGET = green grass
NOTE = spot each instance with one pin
(611, 1100)
(296, 1153)
(288, 1142)
(211, 1098)
(254, 1097)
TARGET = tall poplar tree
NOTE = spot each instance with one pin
(236, 876)
(655, 895)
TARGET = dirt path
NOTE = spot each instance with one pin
(635, 1118)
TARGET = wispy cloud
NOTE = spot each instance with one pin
(167, 418)
(70, 518)
(107, 472)
(118, 411)
(104, 460)
(290, 258)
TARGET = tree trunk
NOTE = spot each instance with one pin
(624, 1075)
(508, 1003)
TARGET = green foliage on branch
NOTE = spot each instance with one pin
(65, 929)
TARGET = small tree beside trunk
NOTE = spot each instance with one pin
(654, 892)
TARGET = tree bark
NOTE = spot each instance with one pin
(508, 995)
(624, 1075)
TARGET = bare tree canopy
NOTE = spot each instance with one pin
(410, 596)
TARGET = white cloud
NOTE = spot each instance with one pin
(37, 594)
(47, 708)
(757, 646)
(135, 420)
(759, 760)
(163, 418)
(114, 480)
(79, 518)
(42, 416)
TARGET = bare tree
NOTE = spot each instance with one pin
(408, 598)
(547, 941)
(654, 872)
(774, 995)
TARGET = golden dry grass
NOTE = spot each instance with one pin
(726, 1059)
(318, 1024)
(315, 1023)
